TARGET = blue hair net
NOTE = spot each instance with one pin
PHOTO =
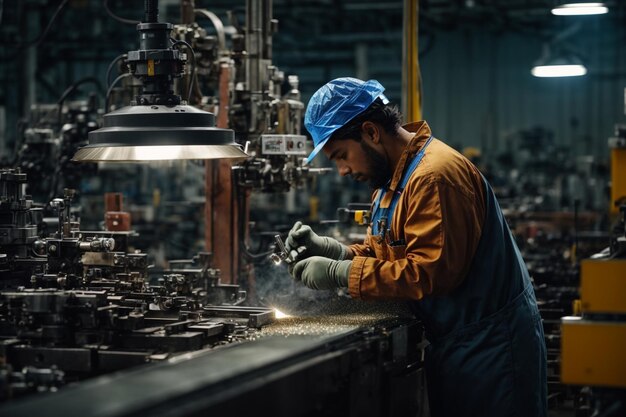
(335, 104)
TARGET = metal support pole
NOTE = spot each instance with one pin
(411, 76)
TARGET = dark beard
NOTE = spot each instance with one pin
(379, 169)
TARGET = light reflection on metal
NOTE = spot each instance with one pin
(157, 153)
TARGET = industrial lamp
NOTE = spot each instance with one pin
(157, 125)
(573, 8)
(559, 65)
(559, 68)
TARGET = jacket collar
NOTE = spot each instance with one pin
(422, 133)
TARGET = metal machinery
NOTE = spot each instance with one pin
(239, 83)
(78, 304)
(593, 342)
(49, 137)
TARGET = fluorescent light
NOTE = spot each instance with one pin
(579, 9)
(575, 70)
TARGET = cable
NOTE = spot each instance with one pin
(255, 257)
(115, 81)
(1, 10)
(217, 23)
(43, 35)
(192, 74)
(110, 68)
(69, 90)
(35, 42)
(116, 17)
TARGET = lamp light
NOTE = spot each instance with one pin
(571, 8)
(558, 65)
(157, 125)
(556, 69)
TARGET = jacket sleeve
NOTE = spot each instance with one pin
(441, 224)
(363, 249)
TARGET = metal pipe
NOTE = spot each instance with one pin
(411, 77)
(151, 11)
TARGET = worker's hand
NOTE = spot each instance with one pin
(321, 273)
(302, 235)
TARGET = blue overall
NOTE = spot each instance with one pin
(487, 354)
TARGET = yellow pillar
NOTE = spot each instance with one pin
(411, 75)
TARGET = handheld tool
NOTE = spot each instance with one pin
(281, 253)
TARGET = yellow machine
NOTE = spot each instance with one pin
(618, 169)
(593, 345)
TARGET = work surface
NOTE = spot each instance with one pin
(338, 349)
(332, 316)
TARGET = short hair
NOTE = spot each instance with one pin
(387, 116)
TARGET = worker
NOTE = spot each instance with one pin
(438, 239)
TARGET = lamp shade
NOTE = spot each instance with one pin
(158, 132)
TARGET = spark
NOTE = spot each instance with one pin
(280, 315)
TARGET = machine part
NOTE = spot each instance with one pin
(115, 218)
(17, 228)
(283, 145)
(603, 286)
(103, 244)
(52, 134)
(29, 380)
(281, 253)
(122, 238)
(589, 350)
(63, 208)
(618, 168)
(196, 276)
(358, 213)
(256, 316)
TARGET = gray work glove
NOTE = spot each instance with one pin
(302, 235)
(321, 273)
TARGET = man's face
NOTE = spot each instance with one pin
(359, 160)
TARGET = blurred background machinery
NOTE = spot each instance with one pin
(596, 335)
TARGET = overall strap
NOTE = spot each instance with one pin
(407, 175)
(382, 216)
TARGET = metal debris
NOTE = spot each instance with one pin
(336, 316)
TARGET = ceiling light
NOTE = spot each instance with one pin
(559, 70)
(157, 125)
(580, 9)
(562, 63)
